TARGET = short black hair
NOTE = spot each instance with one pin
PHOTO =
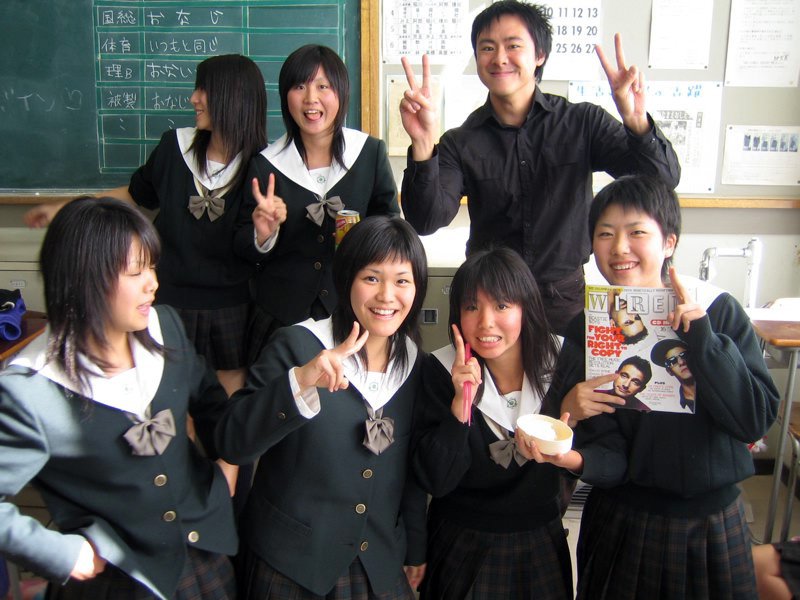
(536, 22)
(299, 68)
(645, 194)
(377, 239)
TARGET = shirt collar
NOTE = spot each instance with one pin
(131, 391)
(289, 162)
(355, 372)
(213, 180)
(486, 112)
(493, 404)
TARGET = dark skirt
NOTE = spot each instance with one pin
(790, 565)
(220, 335)
(478, 565)
(259, 581)
(629, 553)
(205, 576)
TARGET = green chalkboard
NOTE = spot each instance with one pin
(87, 87)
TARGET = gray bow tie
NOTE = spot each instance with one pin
(380, 431)
(215, 206)
(316, 210)
(152, 437)
(503, 451)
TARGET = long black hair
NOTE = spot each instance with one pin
(237, 107)
(502, 274)
(374, 240)
(299, 68)
(85, 249)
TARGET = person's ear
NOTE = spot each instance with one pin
(669, 244)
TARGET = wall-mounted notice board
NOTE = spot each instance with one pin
(87, 87)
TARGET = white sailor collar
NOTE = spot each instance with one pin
(493, 404)
(356, 374)
(131, 391)
(289, 162)
(213, 180)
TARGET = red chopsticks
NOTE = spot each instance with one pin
(467, 407)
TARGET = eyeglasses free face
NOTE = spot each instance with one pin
(673, 360)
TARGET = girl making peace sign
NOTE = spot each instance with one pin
(327, 408)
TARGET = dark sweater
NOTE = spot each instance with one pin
(680, 463)
(452, 462)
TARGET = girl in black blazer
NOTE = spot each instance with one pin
(327, 409)
(94, 413)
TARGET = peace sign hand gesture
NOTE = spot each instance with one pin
(627, 88)
(325, 369)
(418, 112)
(687, 309)
(270, 210)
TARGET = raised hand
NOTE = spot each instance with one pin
(418, 112)
(687, 309)
(582, 401)
(627, 88)
(270, 210)
(463, 371)
(325, 369)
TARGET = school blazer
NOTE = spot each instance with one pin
(298, 270)
(320, 498)
(140, 512)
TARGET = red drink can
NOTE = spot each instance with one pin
(345, 219)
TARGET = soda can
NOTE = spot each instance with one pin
(345, 219)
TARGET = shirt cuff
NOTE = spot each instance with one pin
(307, 400)
(270, 242)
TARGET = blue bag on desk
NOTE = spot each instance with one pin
(12, 307)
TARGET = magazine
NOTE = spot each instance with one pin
(628, 332)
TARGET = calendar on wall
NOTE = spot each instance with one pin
(576, 29)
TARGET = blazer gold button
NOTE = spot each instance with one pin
(317, 265)
(281, 415)
(364, 546)
(160, 480)
(320, 238)
(361, 508)
(366, 473)
(193, 537)
(169, 516)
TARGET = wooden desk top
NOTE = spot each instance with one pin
(781, 334)
(33, 324)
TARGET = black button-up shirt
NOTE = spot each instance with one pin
(530, 187)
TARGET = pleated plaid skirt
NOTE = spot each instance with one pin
(220, 335)
(478, 565)
(205, 576)
(628, 553)
(259, 581)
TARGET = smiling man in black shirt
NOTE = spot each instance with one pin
(525, 158)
